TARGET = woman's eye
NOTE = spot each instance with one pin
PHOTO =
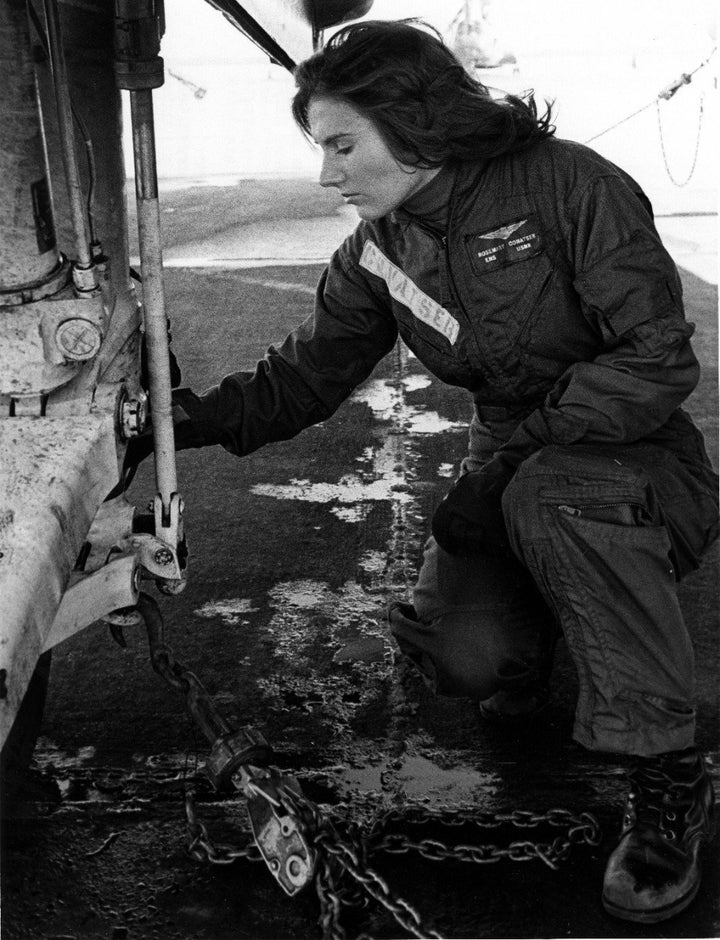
(343, 151)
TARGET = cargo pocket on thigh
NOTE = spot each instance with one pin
(619, 578)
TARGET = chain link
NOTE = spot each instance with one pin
(582, 828)
(343, 857)
(330, 902)
(373, 883)
(202, 848)
(436, 851)
(197, 701)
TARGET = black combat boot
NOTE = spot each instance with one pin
(655, 870)
(511, 706)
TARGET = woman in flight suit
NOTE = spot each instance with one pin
(528, 270)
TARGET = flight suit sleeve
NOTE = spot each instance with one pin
(304, 380)
(631, 294)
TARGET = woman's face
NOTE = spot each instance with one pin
(357, 161)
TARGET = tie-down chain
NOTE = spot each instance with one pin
(303, 844)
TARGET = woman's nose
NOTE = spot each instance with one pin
(330, 173)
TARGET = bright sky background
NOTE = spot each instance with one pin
(547, 25)
(598, 61)
(534, 25)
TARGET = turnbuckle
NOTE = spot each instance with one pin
(277, 829)
(240, 759)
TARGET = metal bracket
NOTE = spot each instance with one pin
(91, 597)
(157, 556)
(277, 831)
(171, 531)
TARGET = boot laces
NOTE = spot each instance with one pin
(657, 797)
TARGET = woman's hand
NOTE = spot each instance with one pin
(190, 426)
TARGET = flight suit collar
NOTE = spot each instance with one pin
(430, 206)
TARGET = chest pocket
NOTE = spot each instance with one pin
(520, 289)
(506, 286)
(504, 245)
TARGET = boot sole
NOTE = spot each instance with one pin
(498, 717)
(504, 718)
(677, 907)
(654, 916)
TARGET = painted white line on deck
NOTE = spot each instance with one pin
(233, 264)
(292, 286)
(230, 610)
(354, 493)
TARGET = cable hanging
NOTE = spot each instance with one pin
(695, 155)
(665, 94)
(197, 90)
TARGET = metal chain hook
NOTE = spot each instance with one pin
(346, 855)
(300, 843)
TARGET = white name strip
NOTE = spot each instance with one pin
(408, 293)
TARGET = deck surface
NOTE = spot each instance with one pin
(295, 551)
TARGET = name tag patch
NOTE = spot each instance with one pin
(408, 293)
(505, 245)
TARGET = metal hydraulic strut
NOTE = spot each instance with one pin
(139, 26)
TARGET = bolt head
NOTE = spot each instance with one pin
(78, 339)
(163, 556)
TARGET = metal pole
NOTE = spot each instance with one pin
(149, 231)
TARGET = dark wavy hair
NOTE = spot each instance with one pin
(402, 76)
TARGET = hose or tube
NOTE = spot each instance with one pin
(89, 149)
(67, 136)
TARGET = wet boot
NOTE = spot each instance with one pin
(516, 704)
(655, 870)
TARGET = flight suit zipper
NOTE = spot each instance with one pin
(448, 286)
(623, 511)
